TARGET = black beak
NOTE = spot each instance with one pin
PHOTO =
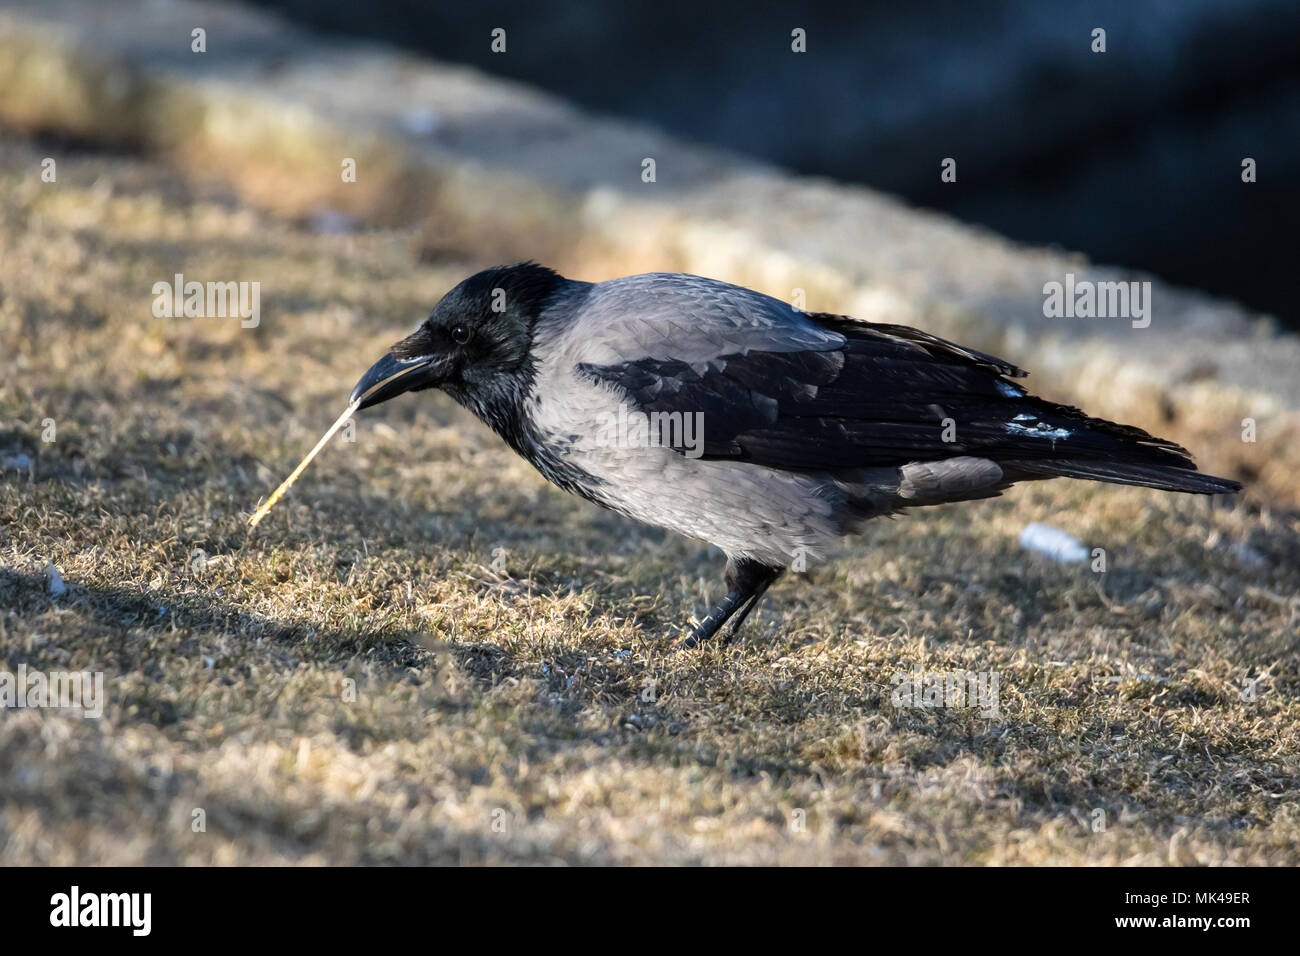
(390, 377)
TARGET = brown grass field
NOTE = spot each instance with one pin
(517, 694)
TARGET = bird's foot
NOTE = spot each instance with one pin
(708, 628)
(733, 609)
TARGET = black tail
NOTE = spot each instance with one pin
(1099, 450)
(1166, 477)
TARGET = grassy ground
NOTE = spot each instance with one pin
(517, 697)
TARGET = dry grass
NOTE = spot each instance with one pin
(539, 713)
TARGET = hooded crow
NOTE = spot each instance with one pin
(731, 417)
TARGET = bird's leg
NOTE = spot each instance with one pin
(739, 620)
(708, 627)
(747, 581)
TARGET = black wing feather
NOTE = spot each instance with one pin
(883, 398)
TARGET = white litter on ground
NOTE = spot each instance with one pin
(54, 581)
(1053, 542)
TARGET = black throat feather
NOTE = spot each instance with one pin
(502, 404)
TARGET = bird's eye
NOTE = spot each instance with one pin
(460, 333)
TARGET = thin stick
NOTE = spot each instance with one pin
(302, 466)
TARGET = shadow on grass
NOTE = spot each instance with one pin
(574, 681)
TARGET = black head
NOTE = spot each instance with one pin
(474, 342)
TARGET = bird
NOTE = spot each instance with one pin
(734, 418)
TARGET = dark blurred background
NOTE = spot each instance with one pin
(1132, 156)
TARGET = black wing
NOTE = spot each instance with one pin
(890, 395)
